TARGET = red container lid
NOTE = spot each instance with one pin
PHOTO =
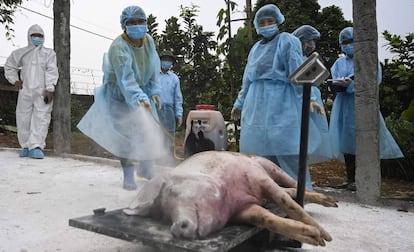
(205, 107)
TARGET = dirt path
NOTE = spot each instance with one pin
(38, 197)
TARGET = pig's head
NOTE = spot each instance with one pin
(192, 202)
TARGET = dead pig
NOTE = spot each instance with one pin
(209, 189)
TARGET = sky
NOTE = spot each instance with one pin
(102, 17)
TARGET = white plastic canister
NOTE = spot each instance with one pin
(211, 122)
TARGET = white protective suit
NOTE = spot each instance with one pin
(38, 72)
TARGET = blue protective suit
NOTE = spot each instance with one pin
(324, 149)
(271, 107)
(306, 33)
(342, 122)
(172, 100)
(116, 121)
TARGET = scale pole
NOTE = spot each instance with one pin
(304, 133)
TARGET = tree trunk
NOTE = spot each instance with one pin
(249, 21)
(368, 171)
(61, 109)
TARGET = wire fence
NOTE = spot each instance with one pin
(83, 81)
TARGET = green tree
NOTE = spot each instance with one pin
(197, 65)
(397, 103)
(174, 39)
(152, 27)
(7, 9)
(397, 89)
(235, 51)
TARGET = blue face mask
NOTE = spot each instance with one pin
(268, 31)
(37, 41)
(136, 31)
(166, 64)
(348, 49)
(308, 50)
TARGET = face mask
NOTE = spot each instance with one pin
(348, 49)
(136, 31)
(268, 31)
(308, 50)
(166, 64)
(37, 41)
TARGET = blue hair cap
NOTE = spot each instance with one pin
(346, 34)
(306, 33)
(268, 11)
(132, 12)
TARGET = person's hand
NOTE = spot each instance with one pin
(348, 79)
(157, 100)
(48, 96)
(315, 106)
(179, 120)
(145, 103)
(235, 113)
(19, 84)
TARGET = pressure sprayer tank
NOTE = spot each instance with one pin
(211, 122)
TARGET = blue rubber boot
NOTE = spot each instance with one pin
(129, 181)
(24, 152)
(146, 169)
(36, 153)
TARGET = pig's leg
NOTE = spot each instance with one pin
(314, 197)
(282, 178)
(260, 217)
(275, 172)
(293, 209)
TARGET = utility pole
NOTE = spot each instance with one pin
(230, 43)
(229, 17)
(368, 171)
(249, 32)
(249, 21)
(61, 105)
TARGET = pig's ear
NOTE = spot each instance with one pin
(146, 197)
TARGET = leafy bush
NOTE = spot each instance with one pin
(77, 110)
(408, 114)
(403, 132)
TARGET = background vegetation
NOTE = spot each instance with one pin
(210, 66)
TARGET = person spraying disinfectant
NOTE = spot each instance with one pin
(123, 118)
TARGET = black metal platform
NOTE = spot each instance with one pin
(155, 234)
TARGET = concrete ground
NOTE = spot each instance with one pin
(38, 197)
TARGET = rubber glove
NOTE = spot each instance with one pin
(235, 113)
(19, 84)
(144, 103)
(179, 120)
(157, 100)
(48, 96)
(315, 106)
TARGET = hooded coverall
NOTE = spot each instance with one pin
(39, 73)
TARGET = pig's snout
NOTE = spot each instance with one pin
(184, 228)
